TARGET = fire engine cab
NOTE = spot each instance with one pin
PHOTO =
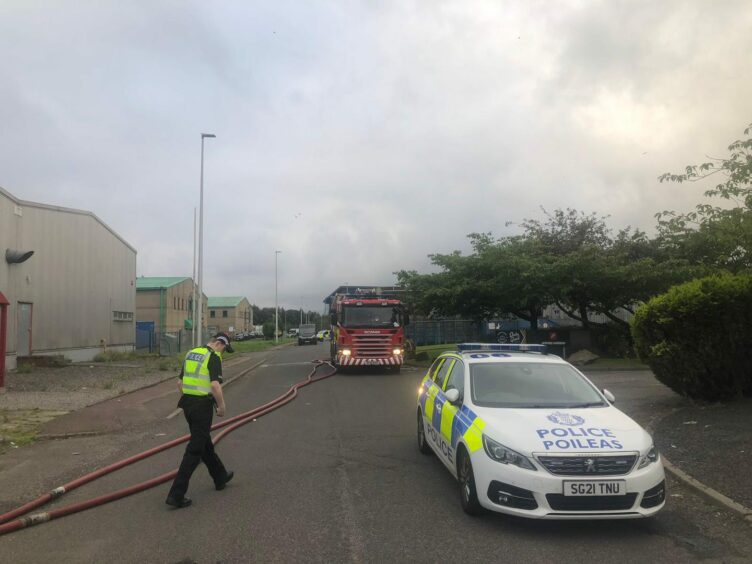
(368, 327)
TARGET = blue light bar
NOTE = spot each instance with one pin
(496, 347)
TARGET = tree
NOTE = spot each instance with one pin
(570, 258)
(712, 236)
(592, 270)
(268, 329)
(500, 277)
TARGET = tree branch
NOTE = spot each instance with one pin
(612, 317)
(571, 314)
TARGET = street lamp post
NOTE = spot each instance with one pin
(201, 245)
(276, 303)
(193, 285)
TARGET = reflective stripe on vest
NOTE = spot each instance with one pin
(196, 379)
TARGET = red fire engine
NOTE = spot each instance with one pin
(368, 326)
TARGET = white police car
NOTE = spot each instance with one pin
(526, 433)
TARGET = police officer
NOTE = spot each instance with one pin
(200, 381)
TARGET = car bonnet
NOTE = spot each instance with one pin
(561, 430)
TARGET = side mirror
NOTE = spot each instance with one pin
(406, 319)
(609, 396)
(452, 395)
(333, 320)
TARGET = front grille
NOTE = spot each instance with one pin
(616, 465)
(654, 496)
(511, 496)
(372, 346)
(560, 502)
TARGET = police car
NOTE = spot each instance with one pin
(526, 433)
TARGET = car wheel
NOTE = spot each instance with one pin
(423, 446)
(468, 493)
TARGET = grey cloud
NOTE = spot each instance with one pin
(394, 128)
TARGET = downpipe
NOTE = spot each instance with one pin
(11, 523)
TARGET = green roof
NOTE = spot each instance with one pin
(225, 302)
(158, 282)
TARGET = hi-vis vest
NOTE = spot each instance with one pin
(196, 380)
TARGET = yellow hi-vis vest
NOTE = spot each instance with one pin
(196, 380)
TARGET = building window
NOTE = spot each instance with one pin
(122, 316)
(224, 313)
(212, 313)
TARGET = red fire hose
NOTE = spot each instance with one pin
(231, 424)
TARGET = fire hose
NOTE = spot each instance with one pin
(11, 522)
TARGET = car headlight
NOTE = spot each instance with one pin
(505, 455)
(649, 458)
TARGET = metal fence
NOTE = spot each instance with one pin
(167, 343)
(445, 331)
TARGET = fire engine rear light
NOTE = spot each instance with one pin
(346, 352)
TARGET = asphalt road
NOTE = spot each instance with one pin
(336, 476)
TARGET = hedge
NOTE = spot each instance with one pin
(696, 337)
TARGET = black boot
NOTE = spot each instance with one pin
(178, 503)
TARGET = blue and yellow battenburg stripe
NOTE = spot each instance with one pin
(451, 422)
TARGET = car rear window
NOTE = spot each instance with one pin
(531, 385)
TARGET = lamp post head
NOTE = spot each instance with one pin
(209, 135)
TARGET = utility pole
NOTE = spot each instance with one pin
(276, 302)
(193, 280)
(201, 239)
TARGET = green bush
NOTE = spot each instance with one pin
(695, 337)
(24, 368)
(268, 329)
(59, 361)
(114, 356)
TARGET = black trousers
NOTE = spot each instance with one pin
(199, 412)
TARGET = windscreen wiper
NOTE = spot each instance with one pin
(588, 404)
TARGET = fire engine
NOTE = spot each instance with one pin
(368, 326)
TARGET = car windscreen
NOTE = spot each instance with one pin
(531, 385)
(371, 316)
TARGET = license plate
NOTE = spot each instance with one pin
(370, 361)
(586, 488)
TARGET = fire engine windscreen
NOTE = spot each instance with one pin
(371, 316)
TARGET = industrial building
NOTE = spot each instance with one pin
(230, 314)
(67, 283)
(165, 303)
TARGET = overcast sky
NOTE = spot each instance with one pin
(357, 137)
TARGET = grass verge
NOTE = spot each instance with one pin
(19, 427)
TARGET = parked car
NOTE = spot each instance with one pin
(525, 433)
(307, 334)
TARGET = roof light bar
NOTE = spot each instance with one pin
(494, 347)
